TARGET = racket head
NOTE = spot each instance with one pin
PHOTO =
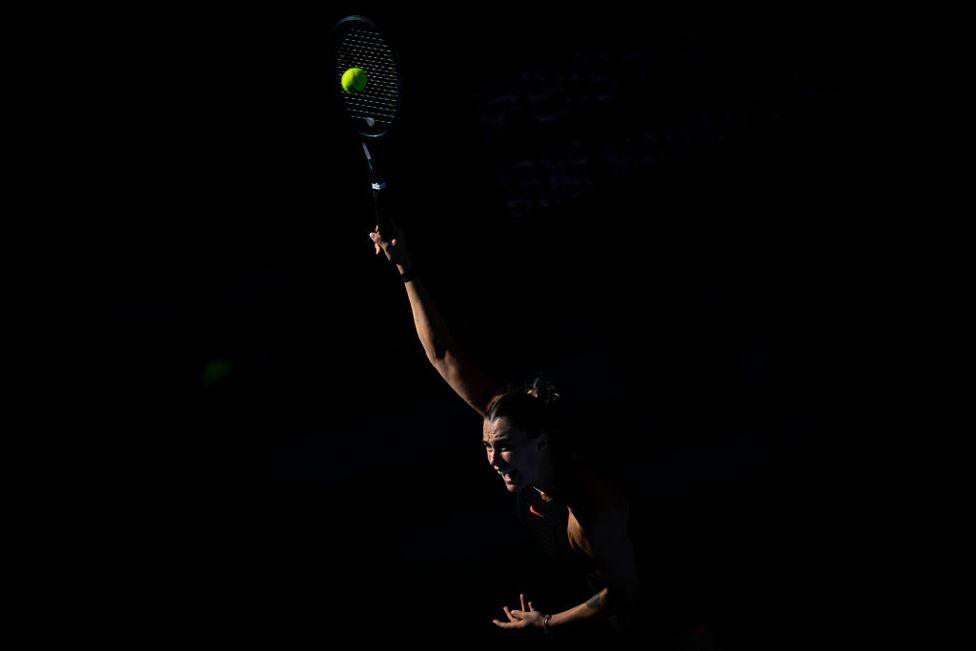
(356, 42)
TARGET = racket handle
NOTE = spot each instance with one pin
(381, 195)
(383, 205)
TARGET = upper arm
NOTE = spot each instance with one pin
(473, 386)
(614, 554)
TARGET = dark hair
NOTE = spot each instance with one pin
(534, 406)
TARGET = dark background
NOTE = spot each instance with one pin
(703, 223)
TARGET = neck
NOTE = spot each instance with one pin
(549, 483)
(560, 482)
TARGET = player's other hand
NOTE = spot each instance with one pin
(526, 617)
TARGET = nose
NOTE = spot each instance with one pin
(494, 460)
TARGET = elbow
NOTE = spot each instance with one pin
(621, 611)
(623, 602)
(437, 351)
(440, 360)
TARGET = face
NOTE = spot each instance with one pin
(515, 456)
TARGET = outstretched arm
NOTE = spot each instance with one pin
(474, 387)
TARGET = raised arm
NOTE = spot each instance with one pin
(474, 387)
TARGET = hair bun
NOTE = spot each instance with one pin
(533, 405)
(544, 390)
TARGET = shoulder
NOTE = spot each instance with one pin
(599, 501)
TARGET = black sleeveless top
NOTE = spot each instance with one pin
(666, 605)
(546, 523)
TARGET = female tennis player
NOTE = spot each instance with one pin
(579, 515)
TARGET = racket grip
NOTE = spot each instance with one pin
(383, 206)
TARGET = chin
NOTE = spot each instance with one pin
(516, 484)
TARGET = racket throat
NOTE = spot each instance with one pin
(382, 202)
(377, 175)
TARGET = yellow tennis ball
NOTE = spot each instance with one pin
(354, 80)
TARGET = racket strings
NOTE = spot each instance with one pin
(380, 61)
(377, 103)
(377, 82)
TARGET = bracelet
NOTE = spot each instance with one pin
(545, 625)
(408, 275)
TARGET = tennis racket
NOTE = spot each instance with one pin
(356, 42)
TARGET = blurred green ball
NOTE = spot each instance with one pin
(215, 371)
(354, 80)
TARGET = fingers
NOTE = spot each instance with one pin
(522, 600)
(516, 618)
(380, 245)
(380, 240)
(531, 607)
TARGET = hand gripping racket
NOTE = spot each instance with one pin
(363, 60)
